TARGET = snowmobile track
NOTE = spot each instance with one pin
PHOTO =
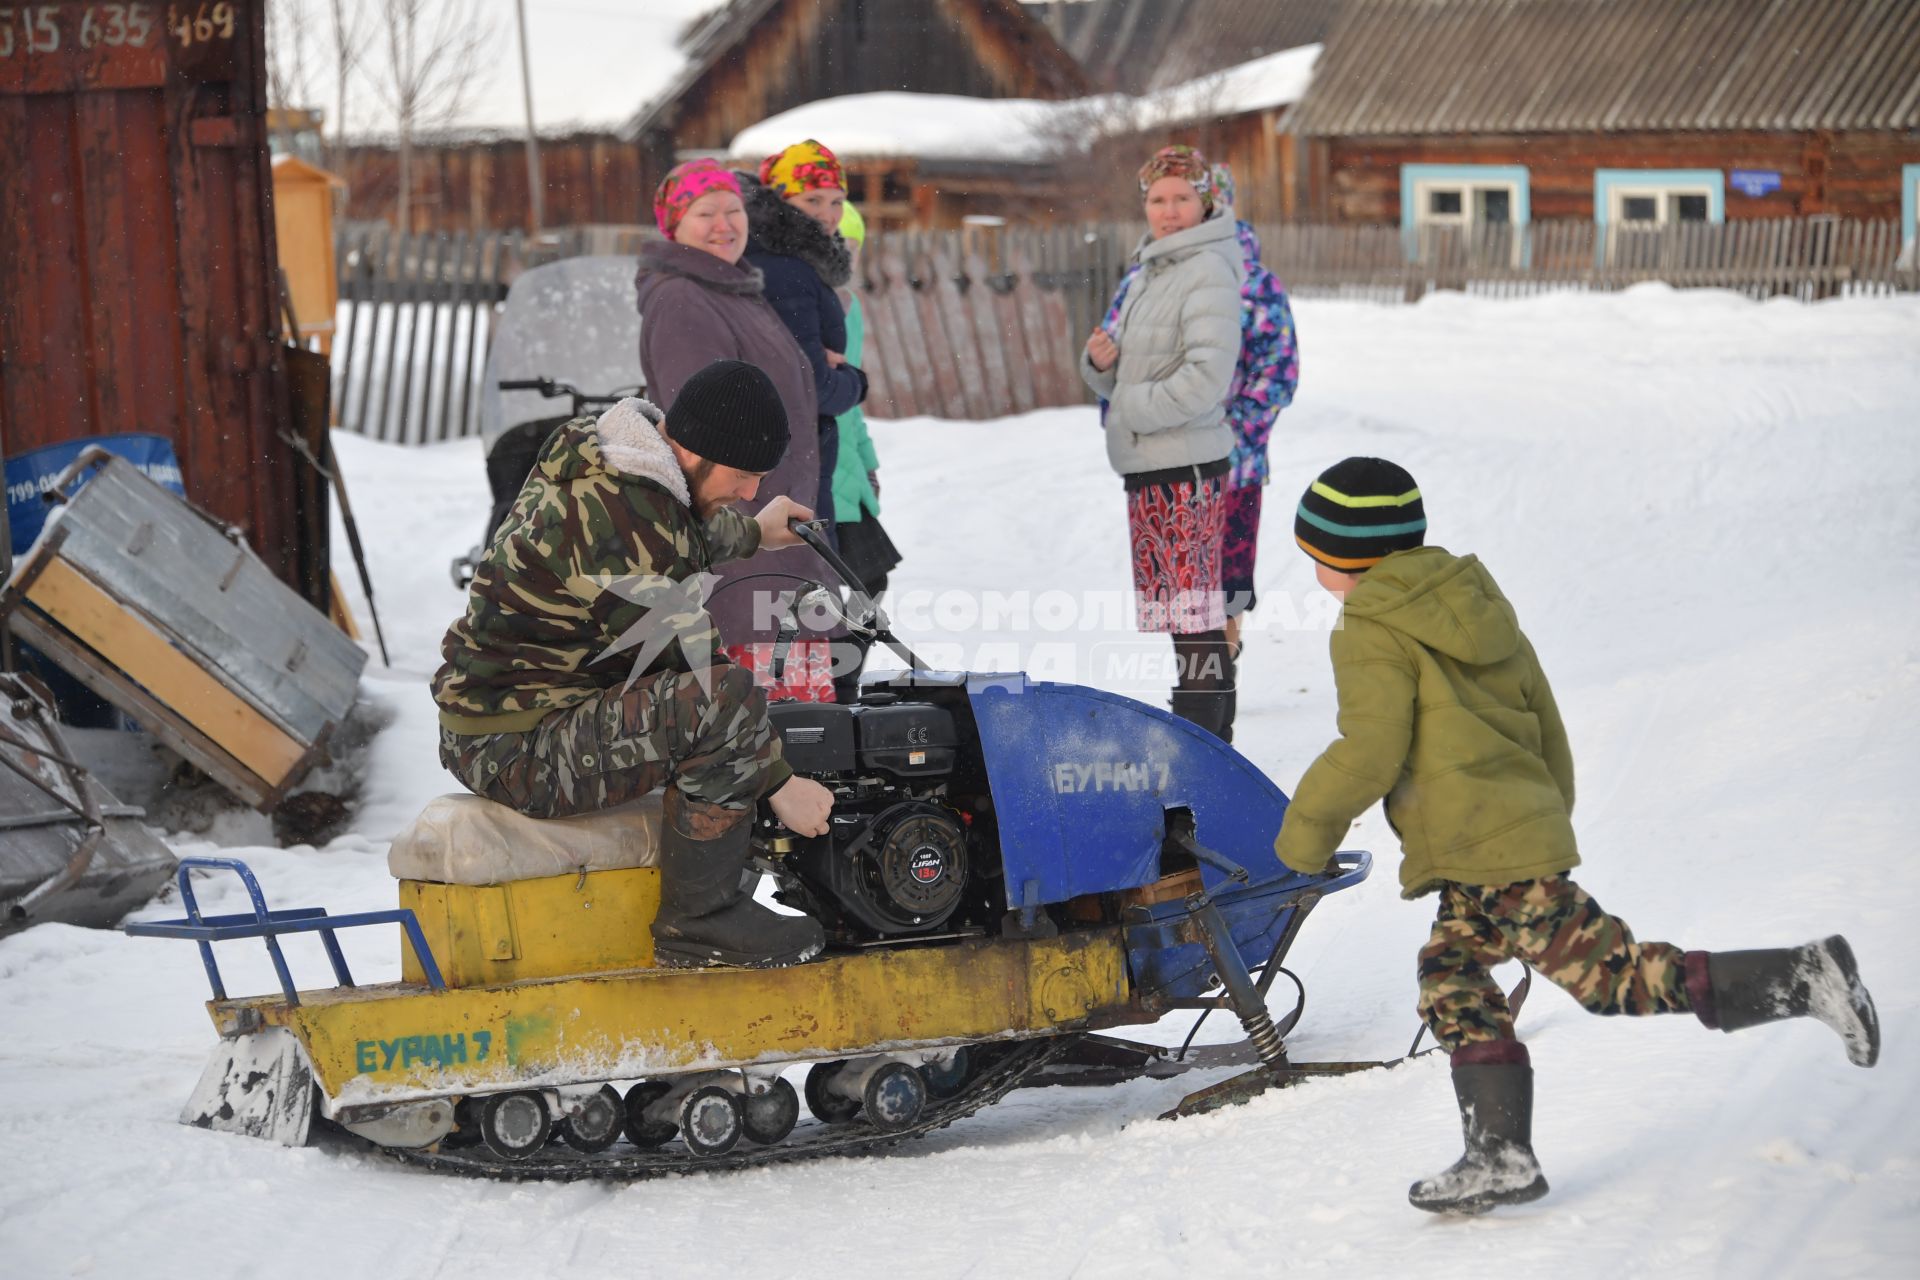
(559, 1163)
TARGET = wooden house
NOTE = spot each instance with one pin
(477, 181)
(757, 58)
(1457, 115)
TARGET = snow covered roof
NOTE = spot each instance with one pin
(1277, 80)
(933, 126)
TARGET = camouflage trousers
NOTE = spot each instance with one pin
(1558, 931)
(716, 746)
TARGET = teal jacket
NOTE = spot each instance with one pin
(853, 495)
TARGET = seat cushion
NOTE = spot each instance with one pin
(463, 839)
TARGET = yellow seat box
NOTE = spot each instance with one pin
(485, 934)
(502, 897)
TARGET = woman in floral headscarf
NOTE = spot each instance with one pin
(794, 214)
(1163, 360)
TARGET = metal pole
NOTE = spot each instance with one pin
(535, 192)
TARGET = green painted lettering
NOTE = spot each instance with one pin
(453, 1049)
(392, 1049)
(365, 1057)
(482, 1042)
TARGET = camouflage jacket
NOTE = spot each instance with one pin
(596, 569)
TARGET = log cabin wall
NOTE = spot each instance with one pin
(1851, 174)
(472, 185)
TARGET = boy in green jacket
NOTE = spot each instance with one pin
(1446, 715)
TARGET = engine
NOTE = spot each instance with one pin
(895, 862)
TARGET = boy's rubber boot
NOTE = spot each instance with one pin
(1819, 980)
(1493, 1083)
(707, 913)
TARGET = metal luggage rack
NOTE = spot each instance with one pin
(270, 925)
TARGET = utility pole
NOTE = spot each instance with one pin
(536, 189)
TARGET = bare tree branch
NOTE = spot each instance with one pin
(432, 55)
(350, 32)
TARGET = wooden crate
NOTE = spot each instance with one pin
(173, 619)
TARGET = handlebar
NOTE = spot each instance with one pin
(582, 400)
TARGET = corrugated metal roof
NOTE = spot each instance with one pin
(1137, 46)
(1554, 66)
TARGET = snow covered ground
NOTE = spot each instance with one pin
(1705, 510)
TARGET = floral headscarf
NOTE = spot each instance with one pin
(804, 166)
(1223, 185)
(1180, 161)
(683, 185)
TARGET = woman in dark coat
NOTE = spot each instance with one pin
(793, 216)
(699, 303)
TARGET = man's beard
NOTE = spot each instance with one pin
(697, 478)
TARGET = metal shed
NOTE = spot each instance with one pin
(138, 292)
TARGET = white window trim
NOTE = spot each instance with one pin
(1424, 188)
(1663, 198)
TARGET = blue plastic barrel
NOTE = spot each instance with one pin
(31, 474)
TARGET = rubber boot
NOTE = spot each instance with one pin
(707, 913)
(1208, 709)
(1819, 980)
(1493, 1083)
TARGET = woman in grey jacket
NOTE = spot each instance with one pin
(1163, 361)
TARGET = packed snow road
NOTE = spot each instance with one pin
(1705, 511)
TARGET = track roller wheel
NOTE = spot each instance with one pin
(827, 1106)
(711, 1120)
(595, 1122)
(640, 1131)
(515, 1125)
(895, 1096)
(946, 1081)
(769, 1117)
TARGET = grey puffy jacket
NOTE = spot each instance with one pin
(1179, 338)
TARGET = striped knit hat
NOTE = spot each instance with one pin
(1358, 513)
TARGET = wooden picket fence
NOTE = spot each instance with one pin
(987, 322)
(416, 315)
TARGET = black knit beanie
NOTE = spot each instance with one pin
(729, 413)
(1358, 513)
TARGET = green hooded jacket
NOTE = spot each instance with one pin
(602, 546)
(853, 495)
(1444, 713)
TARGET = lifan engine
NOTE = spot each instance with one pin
(894, 861)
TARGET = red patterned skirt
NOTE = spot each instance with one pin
(1177, 530)
(807, 675)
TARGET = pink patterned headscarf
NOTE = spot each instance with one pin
(686, 183)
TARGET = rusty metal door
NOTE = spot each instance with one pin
(137, 291)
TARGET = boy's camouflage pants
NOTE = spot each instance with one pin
(617, 746)
(1558, 931)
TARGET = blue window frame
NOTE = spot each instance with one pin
(1658, 197)
(1463, 195)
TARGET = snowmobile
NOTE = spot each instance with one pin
(1013, 866)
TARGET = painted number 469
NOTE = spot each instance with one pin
(197, 26)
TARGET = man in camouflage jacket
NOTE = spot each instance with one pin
(586, 672)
